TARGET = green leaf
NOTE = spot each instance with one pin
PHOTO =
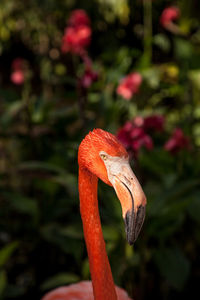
(110, 233)
(194, 76)
(58, 280)
(162, 41)
(85, 269)
(12, 110)
(67, 239)
(14, 291)
(56, 174)
(71, 231)
(39, 165)
(174, 266)
(23, 204)
(3, 282)
(183, 48)
(7, 251)
(194, 207)
(152, 76)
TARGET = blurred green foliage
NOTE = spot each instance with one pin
(43, 121)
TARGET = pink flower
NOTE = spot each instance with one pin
(17, 77)
(137, 132)
(140, 138)
(129, 85)
(124, 135)
(134, 138)
(18, 71)
(177, 141)
(169, 15)
(145, 141)
(77, 36)
(88, 78)
(154, 122)
(138, 121)
(76, 39)
(79, 17)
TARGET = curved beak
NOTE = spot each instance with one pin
(130, 194)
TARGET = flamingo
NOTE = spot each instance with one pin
(101, 156)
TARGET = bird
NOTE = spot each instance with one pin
(102, 156)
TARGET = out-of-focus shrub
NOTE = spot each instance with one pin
(67, 67)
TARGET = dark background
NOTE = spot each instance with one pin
(43, 120)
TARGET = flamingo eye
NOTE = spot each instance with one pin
(103, 156)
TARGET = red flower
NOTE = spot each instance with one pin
(145, 140)
(18, 74)
(137, 132)
(17, 77)
(77, 34)
(169, 15)
(155, 122)
(88, 78)
(79, 17)
(140, 138)
(76, 39)
(124, 134)
(129, 85)
(134, 138)
(138, 121)
(177, 141)
(18, 63)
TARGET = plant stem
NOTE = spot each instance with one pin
(147, 6)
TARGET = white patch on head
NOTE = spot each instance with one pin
(113, 164)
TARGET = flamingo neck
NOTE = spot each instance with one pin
(102, 280)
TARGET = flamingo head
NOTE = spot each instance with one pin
(103, 155)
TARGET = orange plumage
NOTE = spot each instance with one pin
(92, 167)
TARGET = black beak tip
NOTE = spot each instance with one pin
(133, 223)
